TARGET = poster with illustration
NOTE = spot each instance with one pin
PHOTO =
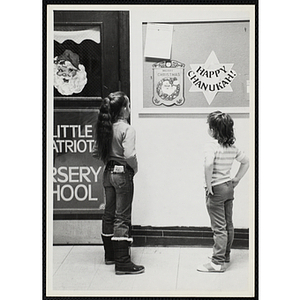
(77, 61)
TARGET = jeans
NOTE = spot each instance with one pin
(118, 188)
(220, 210)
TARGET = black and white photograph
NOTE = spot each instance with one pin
(150, 145)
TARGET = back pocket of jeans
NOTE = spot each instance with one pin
(118, 180)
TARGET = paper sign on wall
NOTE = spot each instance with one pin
(168, 83)
(77, 176)
(158, 41)
(211, 77)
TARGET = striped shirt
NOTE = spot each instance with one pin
(223, 158)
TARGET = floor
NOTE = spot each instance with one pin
(79, 270)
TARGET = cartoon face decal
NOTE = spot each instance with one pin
(69, 75)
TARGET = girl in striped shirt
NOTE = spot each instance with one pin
(219, 157)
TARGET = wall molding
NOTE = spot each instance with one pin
(88, 232)
(171, 112)
(183, 236)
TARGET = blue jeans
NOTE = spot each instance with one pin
(220, 210)
(118, 188)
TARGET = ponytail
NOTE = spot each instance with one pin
(109, 112)
(104, 132)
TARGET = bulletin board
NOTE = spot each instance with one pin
(210, 50)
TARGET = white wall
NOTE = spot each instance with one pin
(169, 185)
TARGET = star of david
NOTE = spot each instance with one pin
(210, 73)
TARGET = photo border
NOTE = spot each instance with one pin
(45, 108)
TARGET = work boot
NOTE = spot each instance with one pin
(108, 250)
(123, 263)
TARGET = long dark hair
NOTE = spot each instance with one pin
(222, 126)
(109, 112)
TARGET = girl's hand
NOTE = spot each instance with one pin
(209, 190)
(235, 182)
